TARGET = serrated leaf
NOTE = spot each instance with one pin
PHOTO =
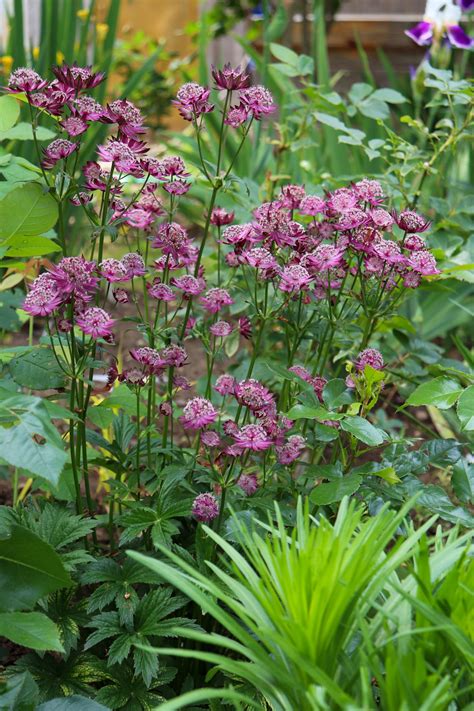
(37, 370)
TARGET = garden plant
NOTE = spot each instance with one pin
(237, 393)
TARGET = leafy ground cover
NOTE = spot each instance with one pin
(237, 412)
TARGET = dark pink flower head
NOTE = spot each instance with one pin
(225, 384)
(237, 116)
(95, 322)
(389, 251)
(171, 238)
(43, 298)
(192, 101)
(229, 78)
(220, 217)
(423, 262)
(205, 508)
(369, 191)
(369, 356)
(341, 200)
(414, 243)
(75, 276)
(25, 80)
(252, 394)
(291, 196)
(215, 299)
(411, 280)
(294, 278)
(318, 383)
(381, 219)
(301, 372)
(120, 296)
(245, 327)
(180, 382)
(81, 198)
(128, 117)
(51, 101)
(210, 439)
(312, 205)
(77, 78)
(150, 203)
(272, 221)
(291, 449)
(133, 377)
(198, 413)
(124, 153)
(258, 100)
(221, 329)
(248, 483)
(74, 125)
(149, 358)
(230, 428)
(166, 168)
(189, 285)
(260, 258)
(237, 234)
(324, 257)
(176, 187)
(138, 217)
(174, 356)
(133, 264)
(57, 150)
(352, 218)
(253, 437)
(88, 108)
(159, 291)
(113, 270)
(96, 178)
(410, 221)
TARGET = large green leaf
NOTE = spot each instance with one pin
(30, 441)
(19, 693)
(29, 569)
(9, 112)
(335, 490)
(37, 370)
(362, 429)
(30, 629)
(465, 408)
(20, 246)
(27, 211)
(23, 132)
(441, 392)
(71, 703)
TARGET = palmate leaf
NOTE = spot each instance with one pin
(130, 691)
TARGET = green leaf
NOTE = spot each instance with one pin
(284, 54)
(31, 442)
(37, 370)
(363, 430)
(465, 408)
(277, 24)
(27, 211)
(335, 490)
(462, 481)
(390, 96)
(30, 629)
(71, 703)
(303, 412)
(19, 693)
(336, 393)
(9, 112)
(441, 392)
(374, 108)
(23, 132)
(20, 246)
(29, 569)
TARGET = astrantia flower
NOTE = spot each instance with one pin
(174, 356)
(352, 218)
(221, 329)
(237, 115)
(245, 327)
(198, 413)
(291, 450)
(128, 117)
(253, 395)
(312, 205)
(170, 238)
(205, 508)
(88, 108)
(294, 278)
(369, 191)
(369, 356)
(81, 198)
(124, 153)
(148, 357)
(388, 251)
(166, 168)
(220, 217)
(43, 298)
(96, 178)
(192, 101)
(260, 258)
(423, 263)
(414, 243)
(58, 149)
(411, 221)
(324, 257)
(188, 284)
(381, 218)
(176, 187)
(225, 384)
(133, 264)
(76, 77)
(120, 296)
(159, 291)
(411, 280)
(138, 218)
(25, 80)
(113, 270)
(230, 79)
(74, 125)
(95, 322)
(248, 483)
(258, 100)
(210, 439)
(75, 276)
(215, 299)
(237, 234)
(291, 196)
(342, 200)
(253, 437)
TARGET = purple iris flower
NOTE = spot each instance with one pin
(441, 20)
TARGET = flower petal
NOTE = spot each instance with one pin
(422, 33)
(459, 38)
